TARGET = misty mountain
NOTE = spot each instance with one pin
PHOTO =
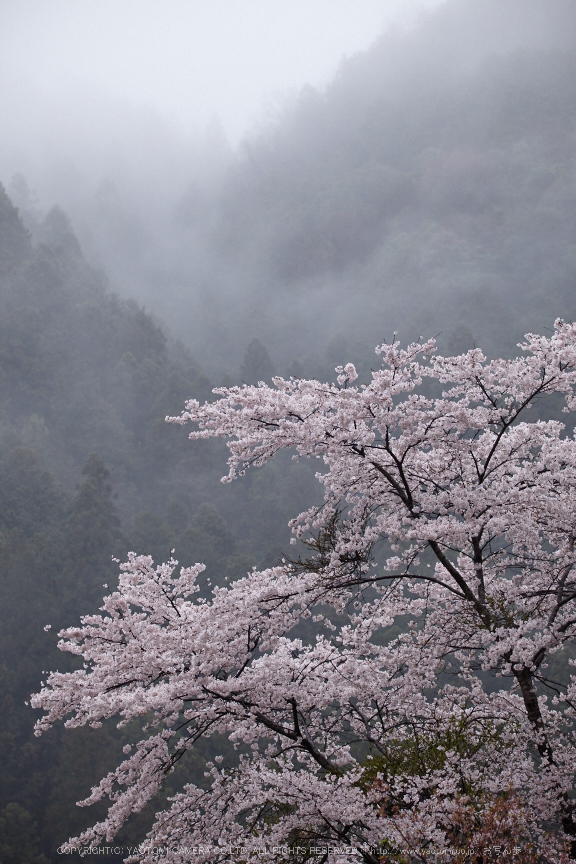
(81, 369)
(429, 189)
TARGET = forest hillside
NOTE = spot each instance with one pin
(430, 189)
(90, 470)
(417, 194)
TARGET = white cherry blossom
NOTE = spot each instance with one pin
(415, 668)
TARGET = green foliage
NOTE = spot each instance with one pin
(424, 751)
(478, 818)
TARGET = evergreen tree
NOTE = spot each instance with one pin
(257, 365)
(93, 533)
(14, 239)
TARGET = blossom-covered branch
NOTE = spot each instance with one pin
(442, 586)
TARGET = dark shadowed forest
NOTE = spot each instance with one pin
(430, 190)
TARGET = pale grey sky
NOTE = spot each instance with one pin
(189, 59)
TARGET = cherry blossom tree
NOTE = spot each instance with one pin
(406, 682)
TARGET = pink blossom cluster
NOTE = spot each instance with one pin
(437, 679)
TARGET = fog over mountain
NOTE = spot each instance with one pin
(112, 110)
(394, 198)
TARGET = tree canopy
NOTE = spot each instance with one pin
(433, 696)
